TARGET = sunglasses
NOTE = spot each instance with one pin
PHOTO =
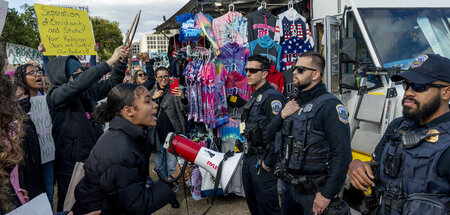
(420, 87)
(33, 73)
(163, 77)
(142, 75)
(253, 70)
(301, 69)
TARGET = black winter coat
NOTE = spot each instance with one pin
(30, 169)
(69, 102)
(116, 174)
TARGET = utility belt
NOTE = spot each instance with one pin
(304, 184)
(255, 151)
(248, 148)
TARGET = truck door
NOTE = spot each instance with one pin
(331, 37)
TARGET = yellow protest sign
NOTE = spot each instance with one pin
(65, 31)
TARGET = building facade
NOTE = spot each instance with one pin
(154, 43)
(135, 49)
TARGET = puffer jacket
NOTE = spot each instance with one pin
(116, 173)
(70, 105)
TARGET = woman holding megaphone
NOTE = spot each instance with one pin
(117, 168)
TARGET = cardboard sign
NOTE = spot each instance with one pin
(41, 118)
(3, 12)
(77, 7)
(37, 206)
(18, 54)
(65, 31)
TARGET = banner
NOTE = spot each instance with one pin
(18, 54)
(65, 31)
(3, 12)
(41, 119)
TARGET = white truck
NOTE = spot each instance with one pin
(366, 41)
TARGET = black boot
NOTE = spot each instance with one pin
(174, 203)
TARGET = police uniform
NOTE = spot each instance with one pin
(415, 176)
(414, 170)
(260, 186)
(316, 150)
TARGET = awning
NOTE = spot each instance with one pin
(217, 8)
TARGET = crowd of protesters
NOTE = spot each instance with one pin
(73, 93)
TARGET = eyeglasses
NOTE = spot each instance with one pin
(301, 69)
(420, 87)
(142, 74)
(34, 72)
(163, 77)
(253, 70)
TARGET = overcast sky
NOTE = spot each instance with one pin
(122, 11)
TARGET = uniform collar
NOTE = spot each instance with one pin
(308, 95)
(441, 119)
(262, 89)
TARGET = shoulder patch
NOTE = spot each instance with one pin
(276, 107)
(342, 113)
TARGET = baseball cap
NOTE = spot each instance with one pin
(426, 69)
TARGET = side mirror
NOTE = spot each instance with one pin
(348, 81)
(348, 50)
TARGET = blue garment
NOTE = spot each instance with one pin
(234, 57)
(292, 202)
(165, 162)
(47, 174)
(265, 46)
(417, 171)
(290, 50)
(93, 60)
(187, 29)
(45, 61)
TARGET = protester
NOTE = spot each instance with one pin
(173, 106)
(11, 134)
(29, 77)
(31, 169)
(150, 82)
(117, 168)
(71, 101)
(139, 77)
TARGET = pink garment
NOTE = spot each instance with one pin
(232, 23)
(237, 83)
(10, 73)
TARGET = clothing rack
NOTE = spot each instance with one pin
(291, 2)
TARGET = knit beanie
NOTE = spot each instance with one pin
(72, 65)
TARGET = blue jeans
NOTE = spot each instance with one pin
(47, 174)
(293, 202)
(165, 162)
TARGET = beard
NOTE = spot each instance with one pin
(427, 109)
(302, 85)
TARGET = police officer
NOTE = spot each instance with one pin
(414, 154)
(316, 142)
(260, 184)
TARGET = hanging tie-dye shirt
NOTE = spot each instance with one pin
(230, 25)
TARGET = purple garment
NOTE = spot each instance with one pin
(234, 57)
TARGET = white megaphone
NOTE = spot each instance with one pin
(203, 157)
